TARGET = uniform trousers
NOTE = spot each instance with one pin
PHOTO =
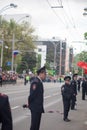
(73, 102)
(66, 104)
(35, 120)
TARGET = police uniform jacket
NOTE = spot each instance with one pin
(5, 113)
(66, 91)
(35, 98)
(84, 85)
(74, 86)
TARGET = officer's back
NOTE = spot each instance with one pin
(5, 113)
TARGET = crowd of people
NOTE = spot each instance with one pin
(69, 93)
(8, 78)
(35, 99)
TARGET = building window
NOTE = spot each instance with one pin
(39, 49)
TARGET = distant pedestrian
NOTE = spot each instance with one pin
(74, 89)
(66, 91)
(0, 80)
(84, 88)
(35, 99)
(5, 113)
(79, 84)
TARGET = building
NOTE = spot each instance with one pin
(41, 50)
(55, 54)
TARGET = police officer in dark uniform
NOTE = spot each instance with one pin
(74, 89)
(66, 91)
(5, 113)
(84, 88)
(0, 80)
(35, 99)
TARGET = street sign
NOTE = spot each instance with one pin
(8, 63)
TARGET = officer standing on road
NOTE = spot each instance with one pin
(84, 88)
(0, 80)
(35, 99)
(66, 91)
(74, 89)
(5, 113)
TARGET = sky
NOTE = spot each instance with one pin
(67, 22)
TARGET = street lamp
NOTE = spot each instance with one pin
(13, 42)
(1, 52)
(8, 7)
(85, 13)
(1, 11)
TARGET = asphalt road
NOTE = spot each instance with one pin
(52, 119)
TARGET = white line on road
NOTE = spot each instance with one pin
(47, 97)
(85, 122)
(15, 107)
(52, 103)
(18, 119)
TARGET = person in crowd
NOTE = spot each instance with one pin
(0, 80)
(5, 113)
(74, 89)
(66, 91)
(35, 99)
(84, 88)
(79, 84)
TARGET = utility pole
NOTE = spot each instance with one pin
(60, 66)
(13, 42)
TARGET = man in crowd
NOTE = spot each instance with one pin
(74, 89)
(66, 95)
(84, 88)
(35, 99)
(5, 113)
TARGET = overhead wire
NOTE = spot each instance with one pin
(57, 14)
(66, 16)
(75, 27)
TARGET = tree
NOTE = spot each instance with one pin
(80, 57)
(28, 62)
(85, 35)
(23, 40)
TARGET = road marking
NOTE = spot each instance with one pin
(47, 97)
(55, 94)
(15, 107)
(52, 103)
(20, 118)
(85, 122)
(17, 91)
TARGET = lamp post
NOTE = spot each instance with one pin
(60, 58)
(85, 13)
(1, 11)
(8, 7)
(13, 42)
(1, 52)
(55, 46)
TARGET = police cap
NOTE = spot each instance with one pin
(75, 74)
(67, 78)
(41, 70)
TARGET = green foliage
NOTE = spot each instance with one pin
(85, 35)
(28, 62)
(80, 57)
(23, 41)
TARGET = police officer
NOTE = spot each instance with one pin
(5, 113)
(0, 80)
(84, 88)
(35, 98)
(79, 84)
(74, 89)
(66, 95)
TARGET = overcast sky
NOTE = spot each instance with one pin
(67, 22)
